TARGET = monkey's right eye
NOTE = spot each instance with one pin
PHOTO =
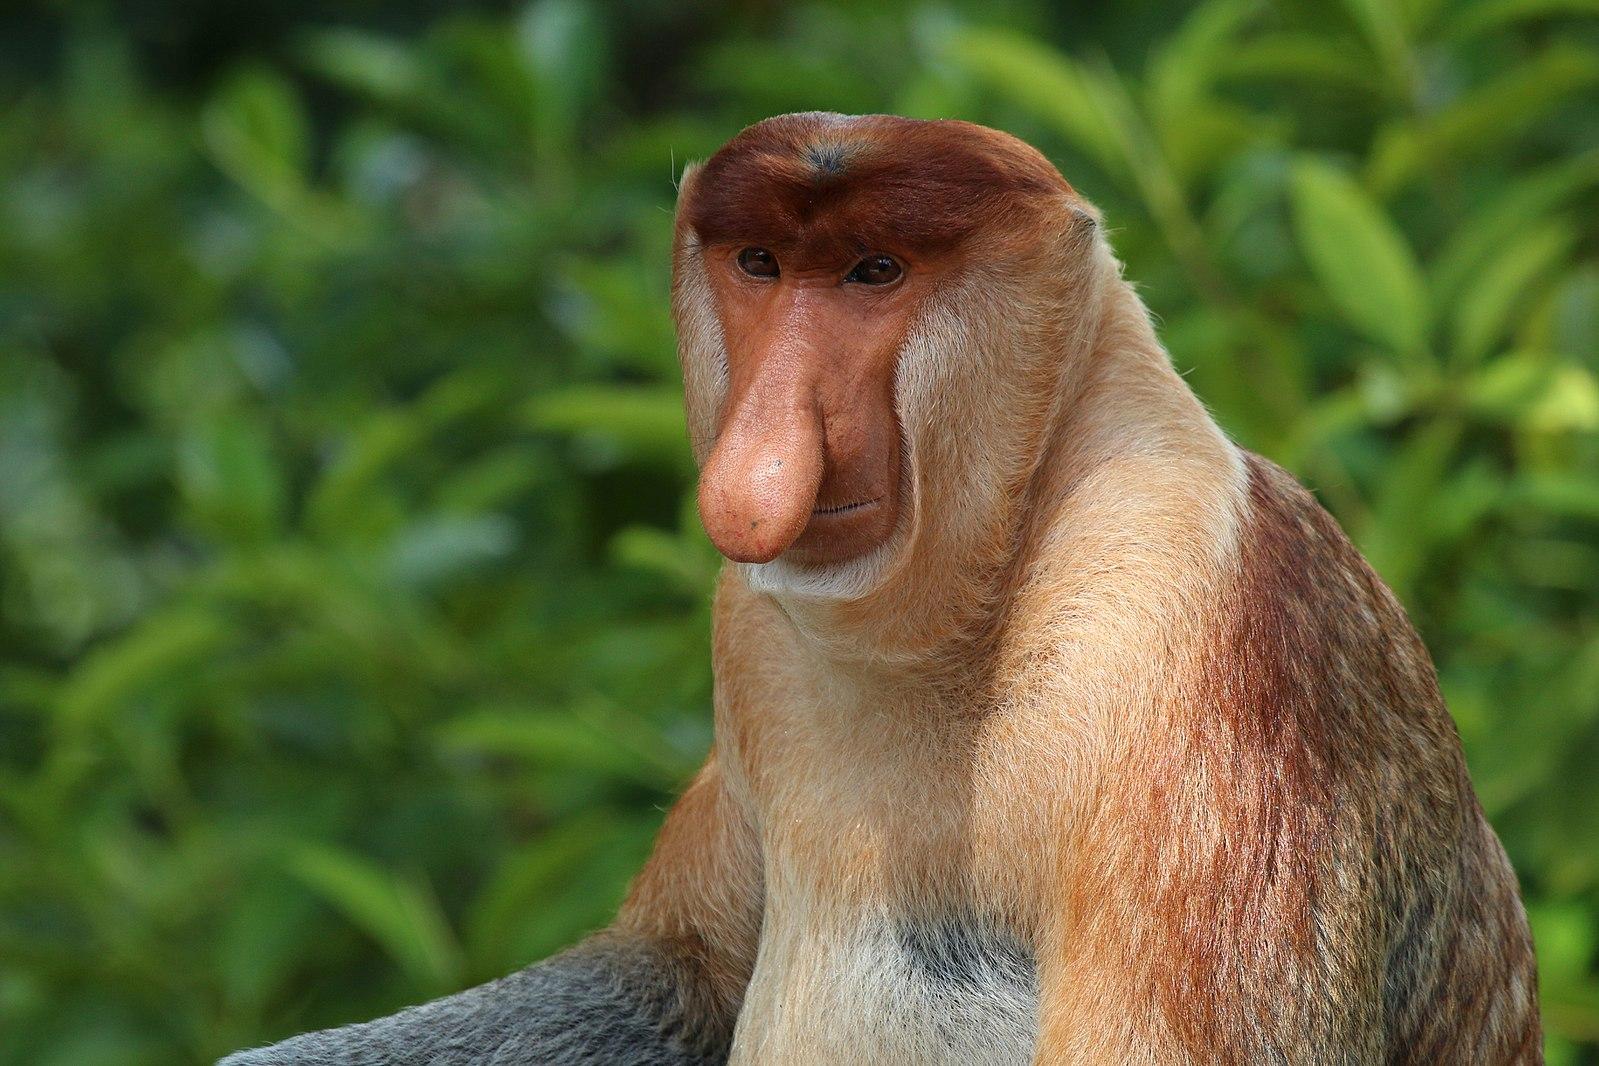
(758, 263)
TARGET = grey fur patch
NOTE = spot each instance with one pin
(967, 950)
(619, 1004)
(829, 158)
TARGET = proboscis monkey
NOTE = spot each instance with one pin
(1051, 726)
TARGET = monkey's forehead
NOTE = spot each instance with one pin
(837, 185)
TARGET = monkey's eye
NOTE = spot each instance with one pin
(875, 270)
(758, 263)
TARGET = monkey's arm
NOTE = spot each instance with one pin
(661, 987)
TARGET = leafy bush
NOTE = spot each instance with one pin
(353, 624)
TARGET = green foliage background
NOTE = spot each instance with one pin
(353, 626)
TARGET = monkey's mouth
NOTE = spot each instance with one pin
(844, 508)
(836, 532)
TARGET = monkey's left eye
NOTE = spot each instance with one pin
(875, 270)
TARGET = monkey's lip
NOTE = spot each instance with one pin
(844, 508)
(838, 532)
(842, 531)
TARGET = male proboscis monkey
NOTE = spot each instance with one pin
(1051, 727)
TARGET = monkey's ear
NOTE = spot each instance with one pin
(1084, 215)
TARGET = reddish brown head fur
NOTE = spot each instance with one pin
(831, 187)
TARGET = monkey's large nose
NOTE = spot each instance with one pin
(759, 484)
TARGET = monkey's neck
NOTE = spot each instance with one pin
(1131, 482)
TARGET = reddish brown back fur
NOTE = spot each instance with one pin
(1318, 829)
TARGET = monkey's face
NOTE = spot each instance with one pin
(807, 454)
(809, 249)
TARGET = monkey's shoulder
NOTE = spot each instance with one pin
(1307, 622)
(1314, 676)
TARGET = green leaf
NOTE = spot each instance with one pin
(1569, 496)
(690, 563)
(1567, 320)
(1422, 15)
(1047, 83)
(1485, 16)
(561, 739)
(1531, 391)
(1398, 537)
(1519, 206)
(1566, 935)
(1381, 23)
(104, 682)
(1181, 72)
(562, 43)
(373, 66)
(1298, 57)
(522, 883)
(614, 312)
(1361, 261)
(637, 422)
(1486, 308)
(230, 477)
(259, 939)
(1487, 118)
(400, 915)
(1506, 387)
(348, 486)
(257, 132)
(1570, 404)
(432, 552)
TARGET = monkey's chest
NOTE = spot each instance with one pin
(951, 990)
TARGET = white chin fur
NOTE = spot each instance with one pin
(839, 582)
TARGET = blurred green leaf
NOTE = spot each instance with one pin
(521, 886)
(1486, 307)
(1519, 206)
(1049, 84)
(401, 915)
(568, 739)
(564, 47)
(1382, 23)
(1396, 538)
(1492, 114)
(259, 941)
(1311, 59)
(1360, 259)
(1181, 71)
(641, 423)
(257, 133)
(231, 478)
(692, 565)
(161, 645)
(433, 551)
(383, 69)
(1570, 404)
(1484, 16)
(1195, 128)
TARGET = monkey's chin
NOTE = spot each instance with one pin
(839, 583)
